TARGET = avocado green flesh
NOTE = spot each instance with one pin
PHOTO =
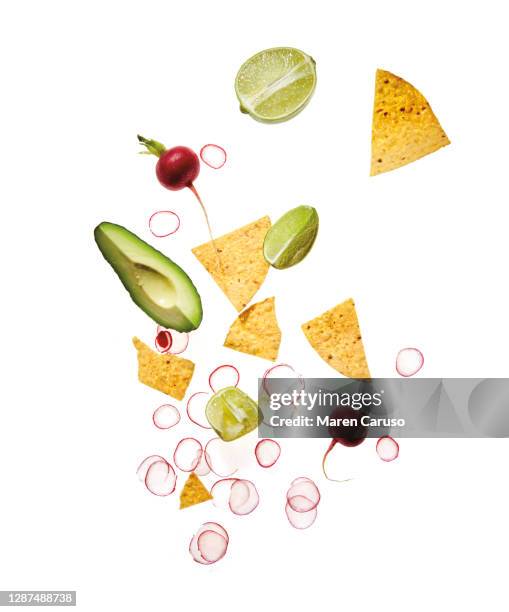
(155, 283)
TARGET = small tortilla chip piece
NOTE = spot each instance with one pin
(193, 492)
(167, 373)
(336, 337)
(255, 331)
(404, 126)
(243, 267)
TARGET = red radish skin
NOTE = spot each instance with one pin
(238, 503)
(177, 168)
(213, 155)
(267, 452)
(300, 520)
(163, 341)
(303, 495)
(387, 448)
(223, 376)
(194, 549)
(212, 546)
(163, 223)
(160, 479)
(166, 416)
(188, 454)
(409, 361)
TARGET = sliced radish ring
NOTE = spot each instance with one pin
(300, 520)
(303, 496)
(212, 546)
(166, 416)
(160, 479)
(224, 376)
(163, 223)
(171, 341)
(142, 469)
(163, 341)
(202, 469)
(219, 459)
(196, 409)
(221, 491)
(194, 547)
(281, 370)
(239, 503)
(267, 452)
(409, 361)
(213, 155)
(387, 448)
(187, 455)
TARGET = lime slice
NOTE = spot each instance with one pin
(275, 84)
(290, 239)
(231, 413)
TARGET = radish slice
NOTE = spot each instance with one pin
(166, 416)
(196, 409)
(178, 341)
(219, 458)
(239, 493)
(409, 361)
(387, 448)
(301, 479)
(142, 469)
(213, 155)
(300, 520)
(202, 469)
(163, 341)
(221, 491)
(193, 545)
(267, 452)
(303, 496)
(224, 376)
(281, 370)
(187, 455)
(212, 546)
(163, 223)
(161, 478)
(239, 504)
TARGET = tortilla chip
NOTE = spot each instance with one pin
(243, 267)
(404, 126)
(167, 373)
(336, 337)
(255, 331)
(193, 492)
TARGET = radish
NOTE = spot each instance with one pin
(176, 169)
(166, 416)
(188, 454)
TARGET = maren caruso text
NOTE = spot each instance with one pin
(329, 421)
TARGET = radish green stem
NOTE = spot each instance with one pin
(153, 147)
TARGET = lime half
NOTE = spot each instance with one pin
(290, 239)
(275, 84)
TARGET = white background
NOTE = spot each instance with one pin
(422, 250)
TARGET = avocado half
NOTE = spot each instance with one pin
(155, 283)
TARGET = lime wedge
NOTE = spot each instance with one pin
(290, 239)
(275, 84)
(232, 413)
